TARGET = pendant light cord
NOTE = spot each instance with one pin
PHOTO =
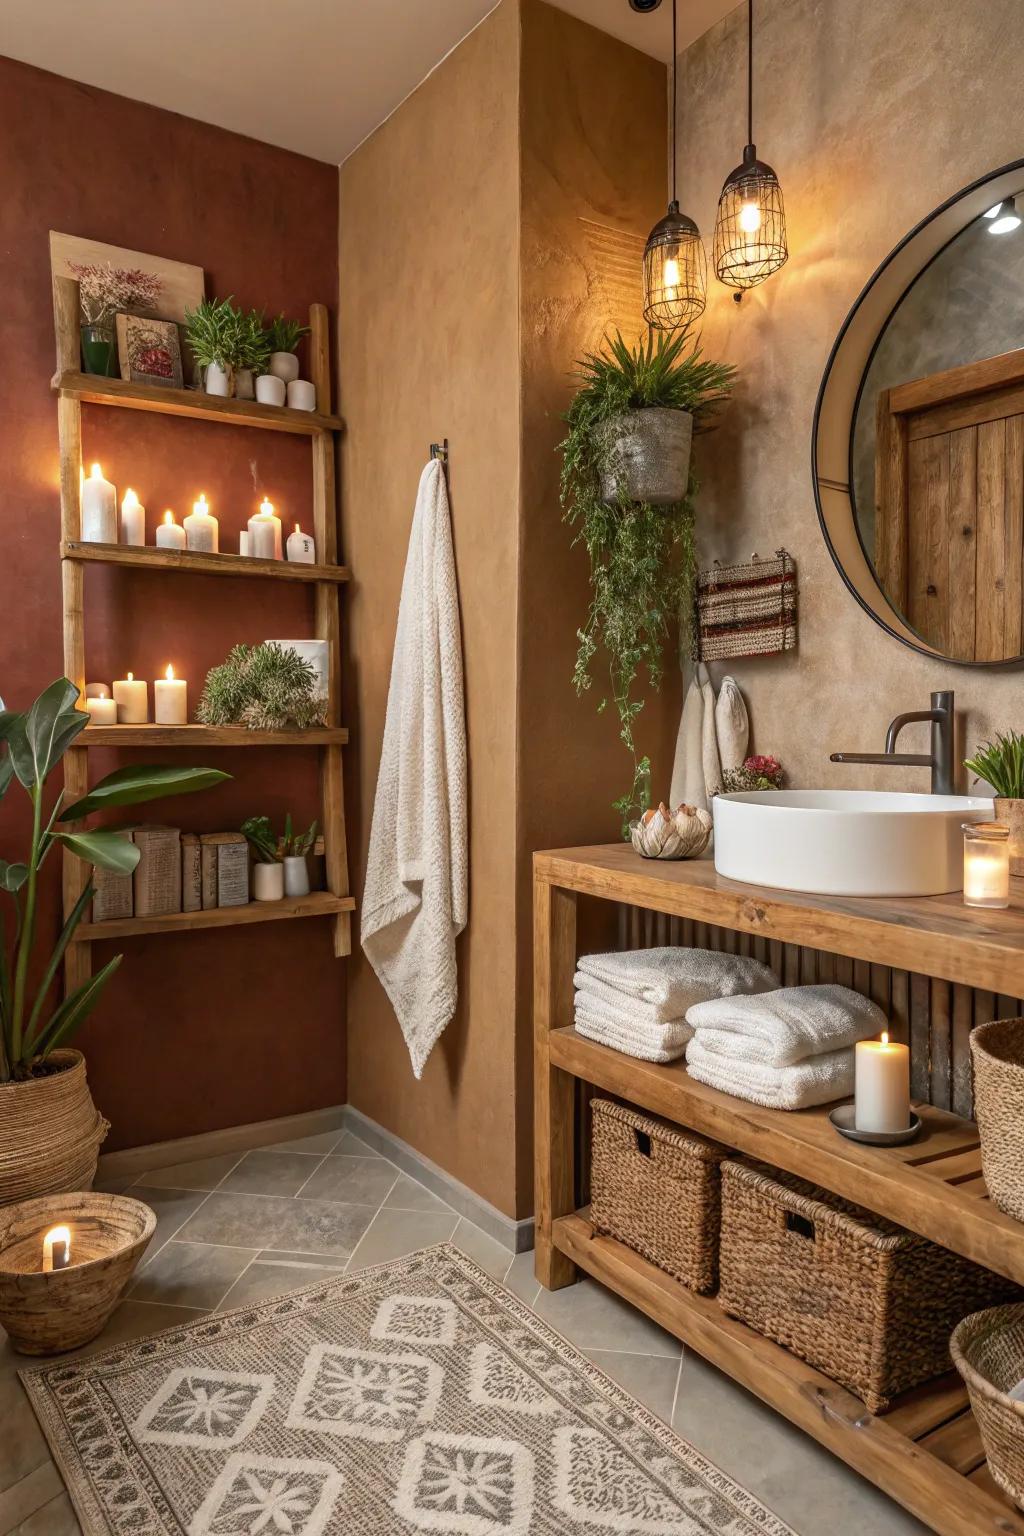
(675, 67)
(750, 71)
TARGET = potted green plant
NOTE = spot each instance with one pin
(266, 687)
(640, 546)
(283, 336)
(216, 332)
(1001, 764)
(281, 866)
(253, 352)
(103, 291)
(50, 1130)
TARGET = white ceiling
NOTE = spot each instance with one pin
(315, 76)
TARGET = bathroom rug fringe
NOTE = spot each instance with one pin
(748, 609)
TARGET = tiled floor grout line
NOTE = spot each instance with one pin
(675, 1390)
(313, 1171)
(373, 1218)
(217, 1305)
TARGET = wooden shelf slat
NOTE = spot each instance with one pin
(317, 904)
(872, 1444)
(194, 563)
(930, 935)
(94, 390)
(208, 736)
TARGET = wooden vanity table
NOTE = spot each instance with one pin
(925, 1452)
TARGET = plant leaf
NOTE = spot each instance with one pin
(12, 876)
(146, 781)
(37, 739)
(75, 1009)
(73, 919)
(110, 850)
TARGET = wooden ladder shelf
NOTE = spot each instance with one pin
(72, 388)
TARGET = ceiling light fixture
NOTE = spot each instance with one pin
(1003, 217)
(750, 230)
(675, 265)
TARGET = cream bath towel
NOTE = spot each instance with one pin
(670, 979)
(661, 1042)
(415, 900)
(786, 1026)
(688, 767)
(818, 1080)
(709, 744)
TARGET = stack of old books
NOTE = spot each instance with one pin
(177, 872)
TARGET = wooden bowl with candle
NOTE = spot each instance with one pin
(64, 1263)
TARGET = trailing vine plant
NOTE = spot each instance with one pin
(642, 557)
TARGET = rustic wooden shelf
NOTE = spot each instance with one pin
(925, 1452)
(208, 736)
(194, 563)
(91, 389)
(317, 904)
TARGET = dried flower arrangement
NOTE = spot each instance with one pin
(266, 687)
(756, 773)
(104, 290)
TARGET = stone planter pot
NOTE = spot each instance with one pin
(244, 388)
(1010, 813)
(296, 875)
(284, 365)
(302, 395)
(219, 381)
(648, 456)
(270, 390)
(50, 1132)
(267, 881)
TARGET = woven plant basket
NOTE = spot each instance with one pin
(988, 1351)
(997, 1050)
(657, 1189)
(859, 1298)
(50, 1132)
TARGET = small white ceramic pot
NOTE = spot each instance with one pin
(270, 390)
(301, 395)
(296, 875)
(219, 381)
(267, 882)
(284, 365)
(243, 384)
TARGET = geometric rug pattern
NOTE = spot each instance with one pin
(420, 1396)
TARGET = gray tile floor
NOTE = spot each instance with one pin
(233, 1230)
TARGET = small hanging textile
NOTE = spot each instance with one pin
(747, 610)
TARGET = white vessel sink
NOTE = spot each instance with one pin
(836, 842)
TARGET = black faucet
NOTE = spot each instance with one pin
(939, 760)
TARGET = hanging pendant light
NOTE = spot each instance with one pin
(750, 230)
(675, 265)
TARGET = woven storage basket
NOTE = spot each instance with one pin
(50, 1132)
(997, 1050)
(657, 1190)
(988, 1351)
(862, 1300)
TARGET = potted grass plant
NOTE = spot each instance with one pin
(628, 492)
(252, 354)
(216, 332)
(1001, 764)
(50, 1130)
(283, 336)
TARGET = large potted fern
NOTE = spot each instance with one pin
(50, 1131)
(628, 491)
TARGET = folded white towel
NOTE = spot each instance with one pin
(664, 1042)
(671, 979)
(623, 1012)
(787, 1025)
(818, 1080)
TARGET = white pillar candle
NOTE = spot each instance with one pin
(265, 533)
(133, 519)
(131, 696)
(97, 690)
(201, 531)
(101, 711)
(170, 699)
(169, 534)
(301, 548)
(99, 509)
(882, 1086)
(243, 542)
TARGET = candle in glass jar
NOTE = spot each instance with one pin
(986, 864)
(265, 533)
(170, 699)
(56, 1249)
(881, 1085)
(169, 534)
(101, 711)
(301, 548)
(201, 530)
(99, 509)
(133, 519)
(131, 695)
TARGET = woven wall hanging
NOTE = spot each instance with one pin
(747, 610)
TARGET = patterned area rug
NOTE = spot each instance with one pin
(416, 1397)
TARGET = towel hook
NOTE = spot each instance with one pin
(440, 451)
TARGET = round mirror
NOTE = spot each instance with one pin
(918, 442)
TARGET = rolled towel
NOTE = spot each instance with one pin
(672, 979)
(709, 737)
(818, 1080)
(665, 1042)
(732, 725)
(688, 767)
(787, 1026)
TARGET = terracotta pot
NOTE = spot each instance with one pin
(1010, 813)
(50, 1132)
(648, 456)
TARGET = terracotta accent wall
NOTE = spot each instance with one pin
(466, 324)
(209, 1029)
(872, 115)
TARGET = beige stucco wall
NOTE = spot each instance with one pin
(872, 114)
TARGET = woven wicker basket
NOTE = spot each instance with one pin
(50, 1132)
(988, 1351)
(997, 1050)
(657, 1190)
(862, 1300)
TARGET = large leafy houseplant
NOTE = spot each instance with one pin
(31, 747)
(642, 560)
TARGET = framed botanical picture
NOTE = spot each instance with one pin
(149, 351)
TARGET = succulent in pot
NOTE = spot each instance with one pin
(1001, 764)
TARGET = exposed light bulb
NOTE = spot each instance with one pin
(750, 218)
(1008, 220)
(671, 273)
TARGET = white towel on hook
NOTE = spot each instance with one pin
(709, 744)
(415, 901)
(688, 767)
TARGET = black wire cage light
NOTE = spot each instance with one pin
(750, 229)
(675, 263)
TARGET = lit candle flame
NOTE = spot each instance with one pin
(885, 1037)
(169, 674)
(61, 1235)
(267, 507)
(168, 516)
(130, 499)
(200, 505)
(131, 677)
(96, 473)
(297, 528)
